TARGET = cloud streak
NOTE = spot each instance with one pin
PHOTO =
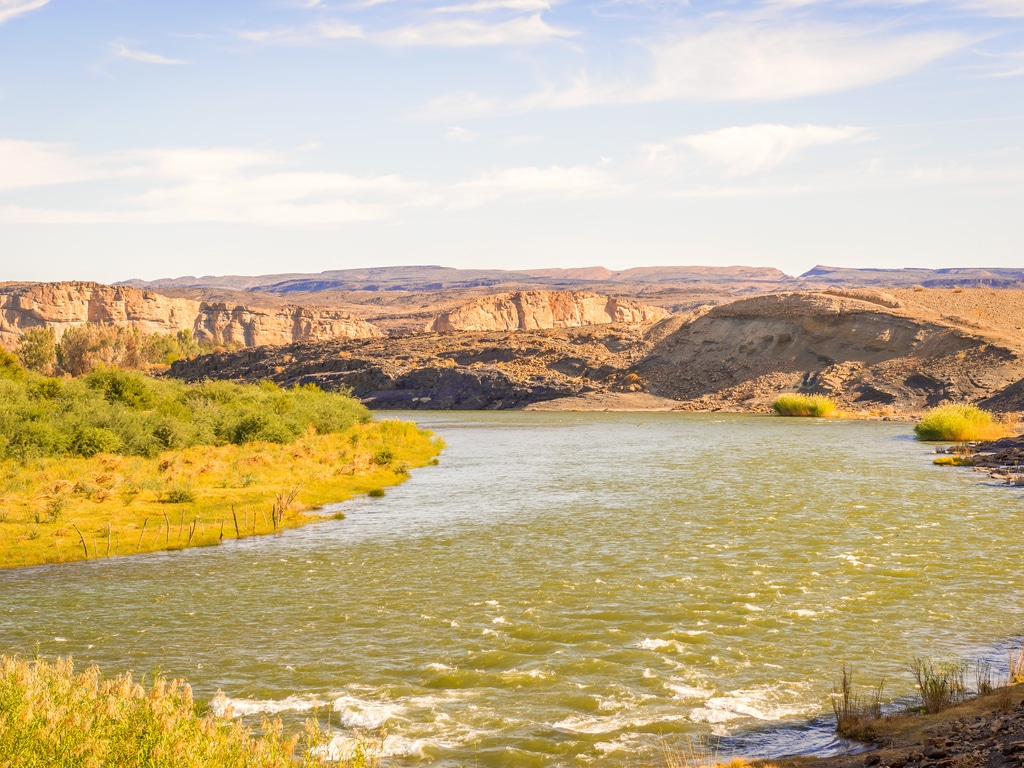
(238, 185)
(750, 149)
(121, 51)
(11, 8)
(735, 61)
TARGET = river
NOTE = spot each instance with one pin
(572, 588)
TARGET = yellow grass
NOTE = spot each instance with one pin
(54, 717)
(70, 508)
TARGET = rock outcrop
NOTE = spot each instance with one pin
(60, 306)
(869, 351)
(538, 310)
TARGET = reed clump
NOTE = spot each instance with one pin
(855, 713)
(58, 718)
(54, 717)
(805, 405)
(941, 684)
(959, 424)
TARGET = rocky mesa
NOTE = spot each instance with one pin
(60, 306)
(534, 310)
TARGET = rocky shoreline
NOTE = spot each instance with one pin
(985, 732)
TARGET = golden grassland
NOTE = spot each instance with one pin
(53, 717)
(59, 509)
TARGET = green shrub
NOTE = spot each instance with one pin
(959, 423)
(383, 456)
(804, 405)
(37, 350)
(110, 410)
(376, 493)
(88, 441)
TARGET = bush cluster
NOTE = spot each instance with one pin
(959, 423)
(84, 347)
(804, 405)
(110, 410)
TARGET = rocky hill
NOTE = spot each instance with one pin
(63, 305)
(872, 351)
(866, 350)
(532, 310)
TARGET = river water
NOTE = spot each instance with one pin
(573, 588)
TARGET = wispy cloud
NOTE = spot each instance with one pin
(122, 51)
(457, 33)
(239, 185)
(482, 6)
(325, 29)
(455, 133)
(38, 164)
(736, 61)
(464, 33)
(750, 149)
(11, 8)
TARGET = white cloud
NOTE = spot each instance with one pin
(464, 33)
(494, 5)
(736, 61)
(753, 63)
(241, 185)
(135, 54)
(744, 150)
(11, 8)
(458, 33)
(325, 29)
(455, 133)
(25, 164)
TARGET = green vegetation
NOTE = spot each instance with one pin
(959, 423)
(87, 346)
(110, 410)
(805, 405)
(55, 718)
(940, 683)
(116, 462)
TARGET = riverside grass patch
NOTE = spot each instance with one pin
(58, 509)
(805, 405)
(54, 717)
(959, 424)
(116, 462)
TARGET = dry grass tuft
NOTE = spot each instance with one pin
(805, 405)
(959, 424)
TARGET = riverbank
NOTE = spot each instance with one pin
(985, 731)
(60, 509)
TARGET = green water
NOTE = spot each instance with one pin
(570, 589)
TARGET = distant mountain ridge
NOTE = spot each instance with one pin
(436, 278)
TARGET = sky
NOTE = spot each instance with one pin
(144, 139)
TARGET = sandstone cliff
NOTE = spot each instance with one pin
(537, 310)
(64, 305)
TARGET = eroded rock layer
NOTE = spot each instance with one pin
(535, 310)
(60, 306)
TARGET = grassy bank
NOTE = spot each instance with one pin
(57, 509)
(805, 405)
(959, 423)
(53, 717)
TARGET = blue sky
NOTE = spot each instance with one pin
(152, 139)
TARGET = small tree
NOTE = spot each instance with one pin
(37, 350)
